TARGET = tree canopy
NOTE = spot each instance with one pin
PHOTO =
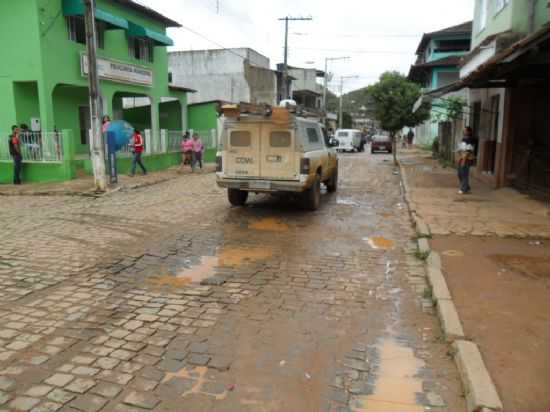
(393, 98)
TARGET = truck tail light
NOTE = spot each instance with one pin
(219, 164)
(304, 166)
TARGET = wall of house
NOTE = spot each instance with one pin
(514, 17)
(262, 83)
(44, 54)
(216, 74)
(306, 79)
(203, 116)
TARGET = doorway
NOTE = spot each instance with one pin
(85, 124)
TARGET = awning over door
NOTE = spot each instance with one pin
(140, 31)
(76, 8)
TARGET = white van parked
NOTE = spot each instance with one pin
(349, 140)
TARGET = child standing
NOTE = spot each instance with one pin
(198, 148)
(186, 151)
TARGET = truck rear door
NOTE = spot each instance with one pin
(242, 159)
(278, 153)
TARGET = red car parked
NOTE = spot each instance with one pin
(381, 142)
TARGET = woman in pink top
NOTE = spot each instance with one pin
(197, 151)
(106, 121)
(186, 151)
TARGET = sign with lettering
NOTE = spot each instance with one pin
(119, 71)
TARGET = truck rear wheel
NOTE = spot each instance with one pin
(312, 196)
(237, 197)
(332, 184)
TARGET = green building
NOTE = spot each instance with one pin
(43, 83)
(437, 65)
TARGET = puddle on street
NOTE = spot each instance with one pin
(379, 242)
(206, 268)
(270, 225)
(534, 267)
(236, 256)
(396, 385)
(453, 253)
(347, 202)
(198, 376)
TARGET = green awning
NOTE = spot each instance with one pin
(76, 8)
(111, 20)
(158, 38)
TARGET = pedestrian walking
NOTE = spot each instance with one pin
(198, 149)
(466, 159)
(137, 146)
(15, 153)
(186, 151)
(105, 122)
(410, 138)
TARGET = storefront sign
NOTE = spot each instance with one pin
(118, 71)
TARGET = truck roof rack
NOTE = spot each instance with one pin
(236, 111)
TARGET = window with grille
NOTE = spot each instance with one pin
(140, 48)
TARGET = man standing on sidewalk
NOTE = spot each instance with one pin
(15, 152)
(137, 147)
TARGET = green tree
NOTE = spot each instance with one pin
(393, 98)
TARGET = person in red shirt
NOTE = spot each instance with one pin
(137, 148)
(15, 152)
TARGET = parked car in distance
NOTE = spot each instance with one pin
(381, 142)
(277, 153)
(349, 140)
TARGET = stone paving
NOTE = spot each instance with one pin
(485, 212)
(166, 298)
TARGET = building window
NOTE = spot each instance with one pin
(500, 4)
(77, 30)
(482, 13)
(170, 78)
(140, 48)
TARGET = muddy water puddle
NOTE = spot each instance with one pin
(531, 266)
(269, 225)
(397, 385)
(379, 242)
(208, 265)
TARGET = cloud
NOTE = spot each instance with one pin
(379, 35)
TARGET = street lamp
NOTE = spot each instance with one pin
(326, 79)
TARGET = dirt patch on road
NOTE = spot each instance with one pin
(501, 288)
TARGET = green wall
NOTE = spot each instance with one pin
(514, 17)
(171, 116)
(44, 55)
(203, 116)
(26, 101)
(66, 101)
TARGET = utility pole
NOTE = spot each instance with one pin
(326, 80)
(286, 91)
(340, 112)
(97, 145)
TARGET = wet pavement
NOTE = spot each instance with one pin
(168, 299)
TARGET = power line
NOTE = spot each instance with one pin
(357, 51)
(213, 42)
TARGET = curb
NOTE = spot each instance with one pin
(480, 391)
(93, 193)
(479, 388)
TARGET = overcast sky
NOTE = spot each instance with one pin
(378, 35)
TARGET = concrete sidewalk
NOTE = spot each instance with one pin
(84, 186)
(495, 265)
(486, 212)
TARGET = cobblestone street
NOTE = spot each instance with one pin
(165, 298)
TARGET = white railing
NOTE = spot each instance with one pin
(35, 146)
